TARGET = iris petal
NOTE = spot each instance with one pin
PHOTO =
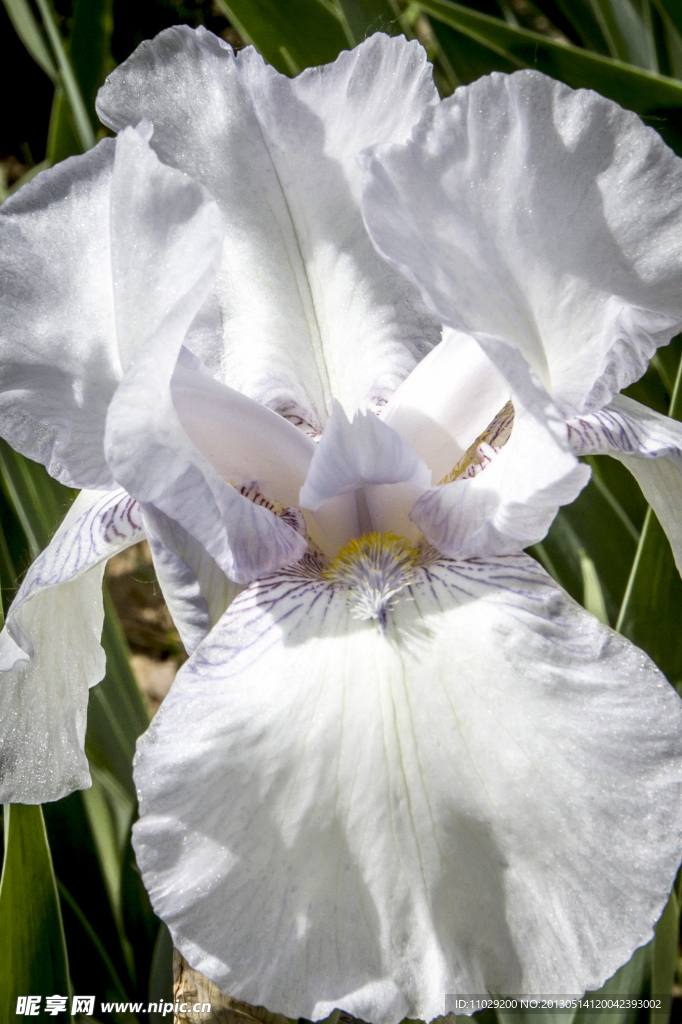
(481, 795)
(50, 651)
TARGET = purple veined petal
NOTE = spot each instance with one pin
(547, 216)
(363, 455)
(50, 652)
(447, 402)
(309, 310)
(650, 445)
(246, 443)
(147, 449)
(511, 503)
(483, 795)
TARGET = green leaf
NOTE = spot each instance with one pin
(117, 714)
(31, 35)
(673, 9)
(300, 34)
(631, 980)
(652, 96)
(625, 33)
(161, 973)
(32, 946)
(361, 18)
(580, 15)
(592, 542)
(39, 501)
(668, 41)
(96, 953)
(90, 55)
(652, 605)
(468, 58)
(67, 78)
(664, 956)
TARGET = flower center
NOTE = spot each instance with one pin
(373, 569)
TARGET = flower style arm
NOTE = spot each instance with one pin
(50, 651)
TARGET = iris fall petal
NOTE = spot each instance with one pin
(483, 795)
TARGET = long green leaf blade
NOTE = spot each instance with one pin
(673, 8)
(363, 17)
(652, 605)
(79, 113)
(30, 33)
(650, 95)
(300, 34)
(32, 946)
(625, 33)
(90, 55)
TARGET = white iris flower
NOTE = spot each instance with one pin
(400, 761)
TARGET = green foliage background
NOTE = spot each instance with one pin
(73, 912)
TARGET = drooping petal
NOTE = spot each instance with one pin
(447, 402)
(309, 310)
(512, 502)
(363, 454)
(90, 267)
(58, 352)
(146, 447)
(246, 443)
(50, 651)
(650, 445)
(546, 216)
(484, 795)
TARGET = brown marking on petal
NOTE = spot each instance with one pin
(485, 447)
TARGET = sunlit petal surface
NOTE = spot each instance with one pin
(480, 792)
(547, 216)
(58, 348)
(309, 310)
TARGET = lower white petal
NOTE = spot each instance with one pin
(483, 794)
(50, 652)
(650, 445)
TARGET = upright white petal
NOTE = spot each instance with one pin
(146, 447)
(512, 502)
(547, 216)
(650, 445)
(309, 310)
(50, 651)
(483, 795)
(58, 352)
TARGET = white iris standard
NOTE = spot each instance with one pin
(400, 761)
(551, 220)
